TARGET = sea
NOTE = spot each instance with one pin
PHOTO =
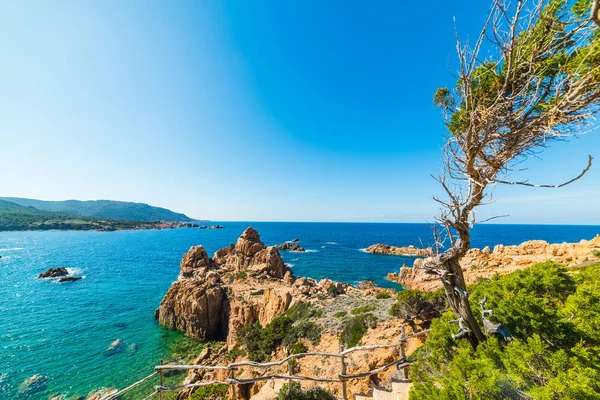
(61, 330)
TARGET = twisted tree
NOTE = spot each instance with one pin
(540, 84)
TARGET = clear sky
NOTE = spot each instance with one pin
(249, 110)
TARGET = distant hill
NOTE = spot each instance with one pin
(116, 210)
(15, 217)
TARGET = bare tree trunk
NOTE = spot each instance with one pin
(459, 303)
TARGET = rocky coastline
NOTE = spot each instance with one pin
(484, 263)
(248, 283)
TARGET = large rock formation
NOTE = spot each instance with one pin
(54, 273)
(241, 284)
(484, 263)
(412, 251)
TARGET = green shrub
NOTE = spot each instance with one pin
(340, 314)
(210, 392)
(596, 253)
(362, 310)
(355, 328)
(261, 342)
(257, 293)
(416, 304)
(383, 295)
(241, 275)
(303, 330)
(554, 317)
(332, 291)
(234, 353)
(296, 393)
(298, 348)
(303, 310)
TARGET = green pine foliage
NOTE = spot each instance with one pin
(355, 328)
(210, 392)
(296, 393)
(416, 304)
(553, 314)
(285, 330)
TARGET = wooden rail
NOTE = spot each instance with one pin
(401, 363)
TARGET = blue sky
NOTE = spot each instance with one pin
(290, 110)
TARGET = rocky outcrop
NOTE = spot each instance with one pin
(484, 263)
(33, 384)
(197, 307)
(115, 347)
(54, 273)
(60, 273)
(411, 251)
(69, 279)
(241, 284)
(290, 246)
(100, 394)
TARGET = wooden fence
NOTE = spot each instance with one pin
(401, 363)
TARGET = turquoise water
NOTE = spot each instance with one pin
(62, 330)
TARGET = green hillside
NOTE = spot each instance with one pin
(15, 217)
(118, 210)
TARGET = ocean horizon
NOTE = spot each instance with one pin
(62, 331)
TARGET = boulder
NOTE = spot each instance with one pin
(100, 394)
(70, 278)
(115, 347)
(33, 384)
(54, 273)
(288, 246)
(194, 263)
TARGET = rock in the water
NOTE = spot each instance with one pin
(70, 278)
(296, 240)
(115, 347)
(133, 347)
(33, 384)
(100, 394)
(289, 246)
(54, 273)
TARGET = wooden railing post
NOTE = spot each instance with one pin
(290, 364)
(343, 372)
(403, 372)
(160, 374)
(234, 391)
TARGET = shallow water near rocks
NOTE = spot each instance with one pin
(62, 330)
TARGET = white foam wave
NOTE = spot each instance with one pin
(323, 247)
(330, 242)
(310, 251)
(290, 265)
(12, 249)
(363, 250)
(74, 271)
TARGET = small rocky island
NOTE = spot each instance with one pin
(290, 246)
(411, 251)
(61, 274)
